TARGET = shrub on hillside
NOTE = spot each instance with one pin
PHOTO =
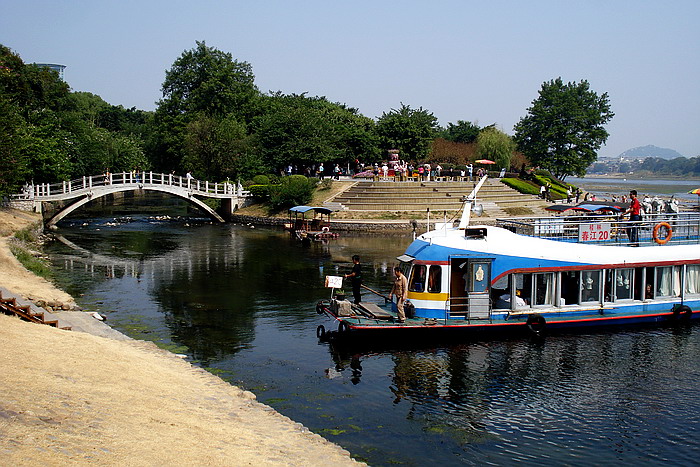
(261, 180)
(292, 191)
(523, 186)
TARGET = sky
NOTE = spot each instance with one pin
(478, 61)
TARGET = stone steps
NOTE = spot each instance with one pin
(436, 195)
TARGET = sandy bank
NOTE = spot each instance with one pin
(72, 398)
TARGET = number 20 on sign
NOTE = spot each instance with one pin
(595, 232)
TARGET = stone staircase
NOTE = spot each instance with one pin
(436, 195)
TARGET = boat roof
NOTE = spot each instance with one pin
(592, 206)
(319, 209)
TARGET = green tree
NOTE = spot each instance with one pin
(495, 145)
(203, 81)
(409, 130)
(461, 132)
(564, 127)
(299, 130)
(214, 147)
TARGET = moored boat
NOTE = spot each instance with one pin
(540, 275)
(316, 227)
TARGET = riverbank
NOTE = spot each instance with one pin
(69, 397)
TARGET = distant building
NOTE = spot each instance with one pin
(55, 67)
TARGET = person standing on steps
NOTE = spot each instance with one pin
(356, 278)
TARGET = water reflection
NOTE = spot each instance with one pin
(241, 301)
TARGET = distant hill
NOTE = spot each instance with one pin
(650, 151)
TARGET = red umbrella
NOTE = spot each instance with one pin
(695, 192)
(484, 161)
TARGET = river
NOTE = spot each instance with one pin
(240, 302)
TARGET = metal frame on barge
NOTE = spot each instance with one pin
(541, 274)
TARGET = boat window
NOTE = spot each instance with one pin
(623, 284)
(692, 279)
(570, 287)
(417, 282)
(435, 279)
(590, 286)
(523, 290)
(544, 289)
(668, 281)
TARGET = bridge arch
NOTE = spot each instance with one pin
(99, 192)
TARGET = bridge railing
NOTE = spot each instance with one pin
(85, 184)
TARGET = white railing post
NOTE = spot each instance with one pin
(84, 182)
(206, 186)
(198, 185)
(70, 186)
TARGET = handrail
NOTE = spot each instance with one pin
(685, 227)
(139, 179)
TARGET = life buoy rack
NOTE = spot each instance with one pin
(657, 228)
(536, 324)
(682, 312)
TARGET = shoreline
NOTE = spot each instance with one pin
(82, 397)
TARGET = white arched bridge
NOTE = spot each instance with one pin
(73, 194)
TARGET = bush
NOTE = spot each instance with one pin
(261, 180)
(292, 191)
(326, 184)
(260, 192)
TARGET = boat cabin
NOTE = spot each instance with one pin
(313, 222)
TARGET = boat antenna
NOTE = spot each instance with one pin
(469, 203)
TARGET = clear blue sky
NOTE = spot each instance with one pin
(480, 61)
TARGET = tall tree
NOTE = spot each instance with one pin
(564, 127)
(495, 145)
(299, 130)
(203, 81)
(411, 131)
(461, 132)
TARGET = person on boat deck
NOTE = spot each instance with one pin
(400, 289)
(356, 278)
(635, 215)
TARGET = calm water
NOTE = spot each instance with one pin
(240, 302)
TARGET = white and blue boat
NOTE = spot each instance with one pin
(539, 275)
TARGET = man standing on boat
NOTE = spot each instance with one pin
(635, 215)
(356, 278)
(400, 289)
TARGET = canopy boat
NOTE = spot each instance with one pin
(315, 227)
(539, 274)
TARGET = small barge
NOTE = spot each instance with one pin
(317, 227)
(536, 275)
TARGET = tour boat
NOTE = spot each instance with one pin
(565, 272)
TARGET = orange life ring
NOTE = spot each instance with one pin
(655, 234)
(325, 230)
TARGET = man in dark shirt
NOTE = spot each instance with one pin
(356, 278)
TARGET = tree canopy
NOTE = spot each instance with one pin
(564, 127)
(461, 132)
(495, 145)
(411, 131)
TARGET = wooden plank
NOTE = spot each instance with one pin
(375, 311)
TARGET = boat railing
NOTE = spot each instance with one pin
(613, 229)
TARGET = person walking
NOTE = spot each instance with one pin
(356, 278)
(400, 289)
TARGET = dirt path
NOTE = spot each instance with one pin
(72, 398)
